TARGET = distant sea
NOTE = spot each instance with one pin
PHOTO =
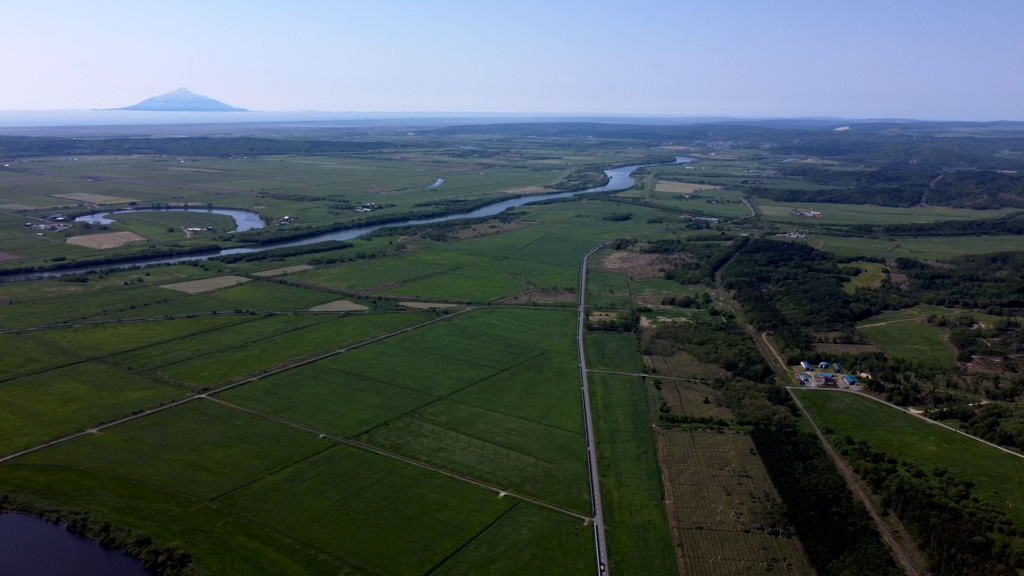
(24, 121)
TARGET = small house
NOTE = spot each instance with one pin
(806, 365)
(823, 365)
(803, 378)
(827, 376)
(850, 380)
(837, 368)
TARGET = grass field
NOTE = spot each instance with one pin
(612, 352)
(37, 351)
(323, 336)
(201, 448)
(871, 276)
(722, 506)
(270, 296)
(607, 290)
(856, 213)
(999, 476)
(373, 512)
(913, 340)
(249, 496)
(914, 313)
(528, 540)
(51, 404)
(925, 248)
(492, 394)
(638, 534)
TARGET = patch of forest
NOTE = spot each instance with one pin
(959, 534)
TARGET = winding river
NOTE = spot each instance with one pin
(618, 179)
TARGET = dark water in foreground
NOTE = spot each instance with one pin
(30, 546)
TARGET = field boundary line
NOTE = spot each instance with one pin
(437, 399)
(640, 375)
(191, 315)
(103, 357)
(455, 552)
(156, 369)
(174, 403)
(851, 481)
(394, 456)
(885, 253)
(891, 322)
(520, 418)
(922, 417)
(274, 472)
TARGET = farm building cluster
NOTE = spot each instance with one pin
(825, 374)
(806, 213)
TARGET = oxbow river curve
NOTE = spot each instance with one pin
(618, 179)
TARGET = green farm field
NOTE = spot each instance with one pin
(639, 538)
(871, 276)
(931, 248)
(999, 476)
(607, 290)
(320, 337)
(54, 403)
(913, 340)
(483, 394)
(612, 352)
(856, 213)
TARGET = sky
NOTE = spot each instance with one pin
(931, 60)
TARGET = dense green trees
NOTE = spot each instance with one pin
(960, 535)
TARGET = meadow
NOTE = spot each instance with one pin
(330, 334)
(492, 394)
(857, 213)
(999, 476)
(871, 276)
(912, 340)
(612, 352)
(932, 248)
(46, 406)
(607, 290)
(638, 534)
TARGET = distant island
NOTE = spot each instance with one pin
(182, 100)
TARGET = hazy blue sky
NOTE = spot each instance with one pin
(937, 59)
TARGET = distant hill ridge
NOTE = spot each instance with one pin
(182, 100)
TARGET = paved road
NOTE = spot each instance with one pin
(588, 422)
(851, 479)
